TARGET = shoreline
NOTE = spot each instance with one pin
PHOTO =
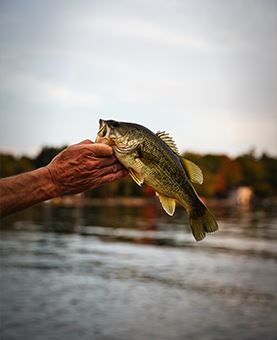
(80, 200)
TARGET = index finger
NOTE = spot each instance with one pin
(100, 150)
(86, 141)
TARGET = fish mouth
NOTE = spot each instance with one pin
(103, 135)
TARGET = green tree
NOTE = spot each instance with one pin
(46, 155)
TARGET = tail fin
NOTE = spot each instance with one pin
(202, 223)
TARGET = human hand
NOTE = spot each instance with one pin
(84, 166)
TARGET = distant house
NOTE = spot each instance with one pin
(244, 195)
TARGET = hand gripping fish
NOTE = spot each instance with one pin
(154, 159)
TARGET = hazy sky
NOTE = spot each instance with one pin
(203, 70)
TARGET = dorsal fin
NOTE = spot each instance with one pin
(168, 140)
(193, 171)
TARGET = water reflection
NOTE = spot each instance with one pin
(148, 224)
(109, 272)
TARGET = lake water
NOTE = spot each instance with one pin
(115, 272)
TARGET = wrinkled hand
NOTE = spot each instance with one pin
(84, 166)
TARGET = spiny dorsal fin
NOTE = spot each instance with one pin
(168, 140)
(193, 171)
(136, 177)
(167, 203)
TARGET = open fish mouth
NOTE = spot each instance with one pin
(103, 135)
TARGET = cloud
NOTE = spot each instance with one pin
(183, 32)
(36, 89)
(204, 69)
(139, 29)
(224, 131)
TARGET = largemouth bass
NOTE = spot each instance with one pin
(154, 159)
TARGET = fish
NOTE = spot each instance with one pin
(154, 159)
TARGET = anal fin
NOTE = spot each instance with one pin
(136, 177)
(167, 203)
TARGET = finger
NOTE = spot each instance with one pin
(109, 169)
(99, 163)
(114, 176)
(86, 141)
(100, 150)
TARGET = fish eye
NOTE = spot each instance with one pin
(115, 124)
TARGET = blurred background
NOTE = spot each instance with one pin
(109, 263)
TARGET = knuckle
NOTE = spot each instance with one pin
(97, 164)
(114, 168)
(87, 141)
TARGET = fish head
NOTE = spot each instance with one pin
(123, 136)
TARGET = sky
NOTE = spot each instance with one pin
(205, 71)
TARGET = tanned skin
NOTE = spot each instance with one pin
(78, 168)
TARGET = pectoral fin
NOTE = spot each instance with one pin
(167, 203)
(136, 177)
(193, 171)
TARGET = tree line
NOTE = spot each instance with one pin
(222, 174)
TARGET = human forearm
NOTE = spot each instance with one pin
(78, 168)
(24, 190)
